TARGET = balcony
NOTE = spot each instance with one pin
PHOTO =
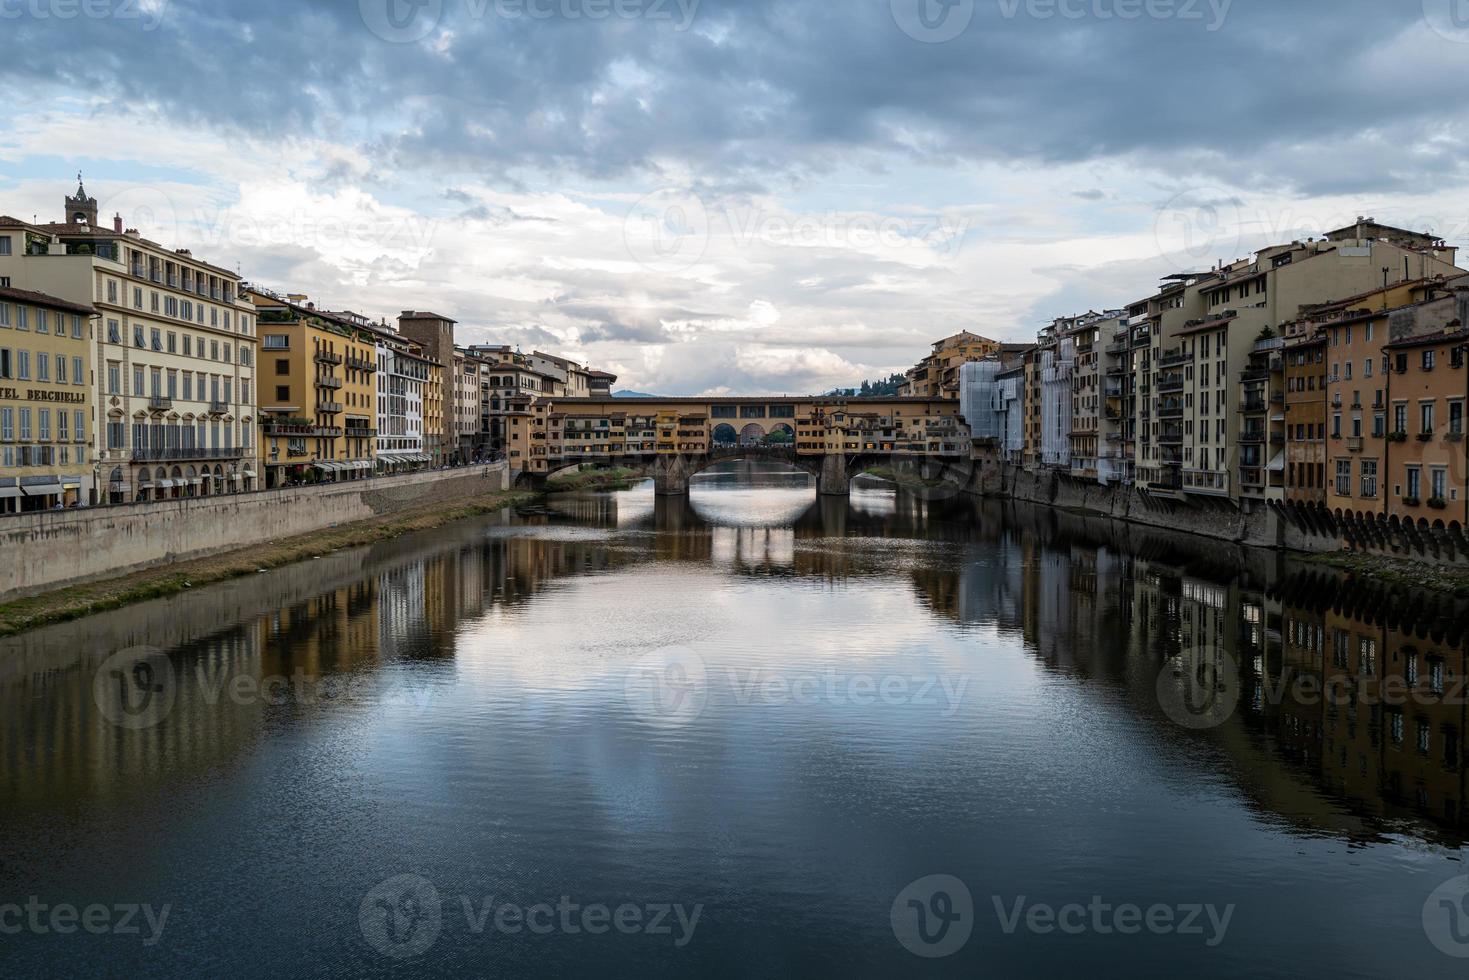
(1252, 406)
(1252, 476)
(1252, 437)
(159, 403)
(359, 432)
(328, 382)
(329, 408)
(217, 407)
(1170, 437)
(326, 357)
(1174, 359)
(1170, 408)
(1354, 444)
(1170, 386)
(361, 364)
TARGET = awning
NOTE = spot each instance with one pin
(1277, 465)
(165, 483)
(9, 491)
(42, 489)
(71, 481)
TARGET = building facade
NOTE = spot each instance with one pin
(46, 406)
(173, 353)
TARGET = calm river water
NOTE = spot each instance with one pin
(751, 733)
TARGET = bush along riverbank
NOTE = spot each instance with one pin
(75, 601)
(591, 478)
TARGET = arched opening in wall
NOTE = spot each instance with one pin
(752, 435)
(781, 435)
(177, 479)
(191, 479)
(725, 435)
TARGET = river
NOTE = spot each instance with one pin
(747, 733)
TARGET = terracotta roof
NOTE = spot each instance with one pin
(1430, 339)
(44, 299)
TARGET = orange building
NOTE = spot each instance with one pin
(1427, 390)
(1305, 417)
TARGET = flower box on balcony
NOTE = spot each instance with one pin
(1454, 436)
(1437, 503)
(1411, 501)
(1397, 437)
(1425, 436)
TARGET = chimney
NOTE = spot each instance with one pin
(117, 223)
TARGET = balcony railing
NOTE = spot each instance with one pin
(217, 407)
(329, 408)
(1253, 437)
(360, 363)
(159, 403)
(357, 432)
(328, 382)
(327, 357)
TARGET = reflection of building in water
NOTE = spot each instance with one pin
(332, 631)
(75, 747)
(1386, 727)
(402, 607)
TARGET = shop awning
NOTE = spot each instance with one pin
(9, 491)
(42, 489)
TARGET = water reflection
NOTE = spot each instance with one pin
(512, 633)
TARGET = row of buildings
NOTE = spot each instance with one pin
(1327, 372)
(132, 371)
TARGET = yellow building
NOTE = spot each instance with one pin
(173, 352)
(318, 397)
(45, 402)
(937, 375)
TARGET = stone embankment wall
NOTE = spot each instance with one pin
(50, 549)
(1290, 527)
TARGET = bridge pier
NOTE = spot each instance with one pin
(671, 475)
(834, 479)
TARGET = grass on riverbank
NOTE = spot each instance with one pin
(611, 478)
(75, 601)
(1405, 572)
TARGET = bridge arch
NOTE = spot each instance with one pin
(725, 434)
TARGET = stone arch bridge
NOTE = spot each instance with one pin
(672, 439)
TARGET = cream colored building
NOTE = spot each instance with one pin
(173, 352)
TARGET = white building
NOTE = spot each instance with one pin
(1057, 364)
(402, 375)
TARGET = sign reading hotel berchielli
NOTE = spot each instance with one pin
(42, 395)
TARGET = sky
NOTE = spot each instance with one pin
(753, 197)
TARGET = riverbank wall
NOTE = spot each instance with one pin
(53, 549)
(1287, 526)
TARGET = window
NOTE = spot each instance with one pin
(282, 366)
(22, 318)
(1400, 418)
(4, 314)
(78, 373)
(1415, 483)
(1435, 675)
(4, 244)
(63, 430)
(23, 365)
(1369, 478)
(138, 336)
(282, 393)
(1438, 483)
(7, 424)
(157, 339)
(114, 378)
(43, 424)
(1344, 477)
(1425, 418)
(1456, 418)
(1429, 357)
(61, 369)
(43, 321)
(25, 425)
(137, 380)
